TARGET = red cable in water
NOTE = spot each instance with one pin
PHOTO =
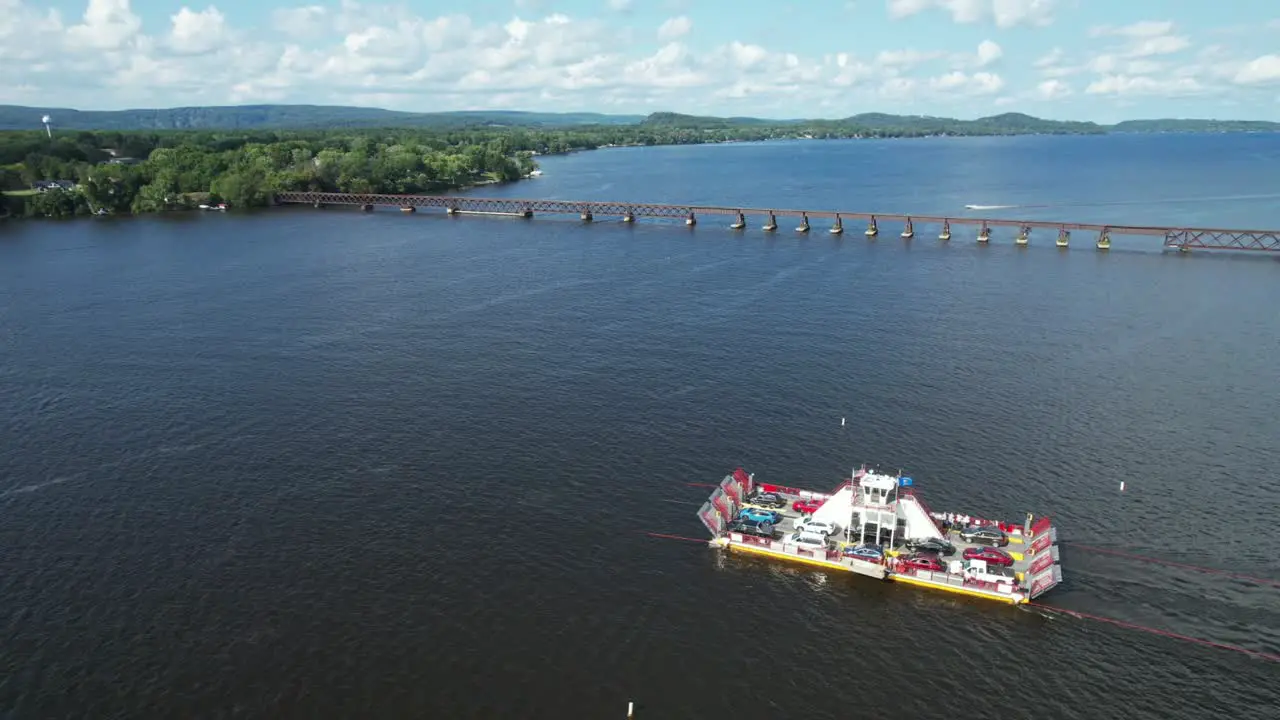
(1112, 621)
(1185, 566)
(673, 537)
(1164, 633)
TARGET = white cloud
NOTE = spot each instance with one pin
(979, 83)
(1003, 13)
(1141, 29)
(1265, 69)
(1052, 89)
(343, 52)
(988, 53)
(906, 59)
(107, 25)
(620, 5)
(1136, 85)
(197, 32)
(300, 22)
(676, 27)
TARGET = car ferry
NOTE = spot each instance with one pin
(876, 524)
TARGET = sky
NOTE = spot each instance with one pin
(1101, 60)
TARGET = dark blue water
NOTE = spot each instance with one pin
(325, 464)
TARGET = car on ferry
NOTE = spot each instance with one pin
(870, 553)
(817, 527)
(767, 499)
(760, 515)
(809, 541)
(807, 507)
(992, 556)
(747, 527)
(985, 535)
(931, 545)
(922, 561)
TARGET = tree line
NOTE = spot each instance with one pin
(137, 172)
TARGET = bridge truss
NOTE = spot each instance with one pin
(1183, 239)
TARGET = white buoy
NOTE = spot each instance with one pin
(631, 710)
(1121, 486)
(841, 422)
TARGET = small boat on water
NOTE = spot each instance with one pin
(221, 207)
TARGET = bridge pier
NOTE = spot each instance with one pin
(318, 205)
(408, 209)
(691, 220)
(804, 224)
(1104, 240)
(367, 207)
(1064, 238)
(946, 231)
(771, 224)
(908, 231)
(984, 235)
(740, 223)
(872, 230)
(629, 217)
(838, 228)
(586, 216)
(1024, 236)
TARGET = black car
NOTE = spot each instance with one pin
(931, 545)
(985, 536)
(767, 499)
(747, 527)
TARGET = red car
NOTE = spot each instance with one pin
(993, 556)
(806, 506)
(922, 561)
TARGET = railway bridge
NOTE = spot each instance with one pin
(1183, 239)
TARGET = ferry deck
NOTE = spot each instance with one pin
(881, 510)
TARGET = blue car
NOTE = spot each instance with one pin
(761, 515)
(865, 552)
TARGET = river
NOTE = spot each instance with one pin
(308, 464)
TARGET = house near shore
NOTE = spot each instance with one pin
(47, 185)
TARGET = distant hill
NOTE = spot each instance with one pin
(292, 117)
(1168, 125)
(312, 117)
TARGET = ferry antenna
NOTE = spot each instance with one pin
(1156, 631)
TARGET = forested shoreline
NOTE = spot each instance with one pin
(122, 172)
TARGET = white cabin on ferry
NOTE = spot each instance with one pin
(874, 509)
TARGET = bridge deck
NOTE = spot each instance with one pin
(1174, 237)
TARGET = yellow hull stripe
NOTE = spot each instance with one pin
(959, 590)
(794, 558)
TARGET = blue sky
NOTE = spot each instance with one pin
(1069, 59)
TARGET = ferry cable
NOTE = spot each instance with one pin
(1262, 655)
(1171, 563)
(673, 537)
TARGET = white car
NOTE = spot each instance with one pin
(808, 540)
(817, 527)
